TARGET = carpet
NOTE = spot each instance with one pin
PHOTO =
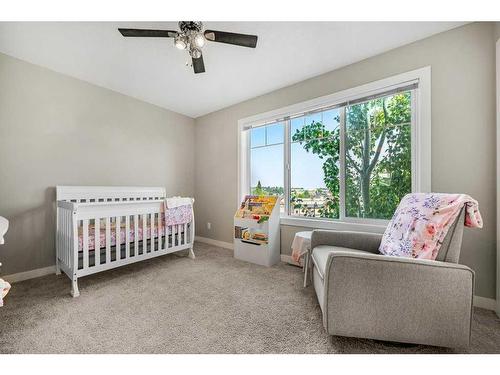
(173, 304)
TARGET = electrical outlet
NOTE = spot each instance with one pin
(209, 226)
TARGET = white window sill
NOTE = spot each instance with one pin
(367, 225)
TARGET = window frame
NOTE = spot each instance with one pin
(420, 145)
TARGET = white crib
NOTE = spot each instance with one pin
(123, 213)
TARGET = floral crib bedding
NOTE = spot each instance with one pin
(173, 216)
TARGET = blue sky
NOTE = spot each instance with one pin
(267, 162)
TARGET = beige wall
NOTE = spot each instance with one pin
(497, 38)
(463, 133)
(57, 130)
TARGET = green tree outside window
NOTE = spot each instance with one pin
(377, 158)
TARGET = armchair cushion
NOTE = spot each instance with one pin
(320, 256)
(368, 242)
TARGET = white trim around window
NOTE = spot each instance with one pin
(420, 142)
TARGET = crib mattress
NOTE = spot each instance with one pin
(174, 219)
(140, 235)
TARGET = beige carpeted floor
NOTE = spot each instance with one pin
(172, 304)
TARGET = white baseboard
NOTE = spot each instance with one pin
(485, 303)
(225, 245)
(21, 276)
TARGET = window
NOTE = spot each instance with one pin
(377, 155)
(350, 156)
(266, 160)
(314, 165)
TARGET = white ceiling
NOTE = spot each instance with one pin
(153, 70)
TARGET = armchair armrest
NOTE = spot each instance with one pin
(398, 299)
(354, 240)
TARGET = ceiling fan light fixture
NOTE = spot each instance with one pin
(180, 42)
(195, 53)
(199, 40)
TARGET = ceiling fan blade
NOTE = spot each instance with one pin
(198, 65)
(243, 40)
(148, 33)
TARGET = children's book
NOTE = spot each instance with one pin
(256, 207)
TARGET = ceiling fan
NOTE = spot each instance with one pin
(191, 38)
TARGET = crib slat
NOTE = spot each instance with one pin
(85, 243)
(97, 241)
(127, 236)
(68, 231)
(185, 233)
(144, 234)
(68, 237)
(152, 227)
(159, 231)
(180, 235)
(108, 240)
(170, 234)
(165, 243)
(64, 234)
(118, 238)
(64, 230)
(59, 250)
(58, 236)
(136, 235)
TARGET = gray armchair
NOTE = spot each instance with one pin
(368, 295)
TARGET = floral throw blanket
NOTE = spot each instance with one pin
(421, 223)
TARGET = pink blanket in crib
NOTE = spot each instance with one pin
(421, 223)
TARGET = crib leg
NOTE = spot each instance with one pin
(74, 287)
(58, 267)
(191, 253)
